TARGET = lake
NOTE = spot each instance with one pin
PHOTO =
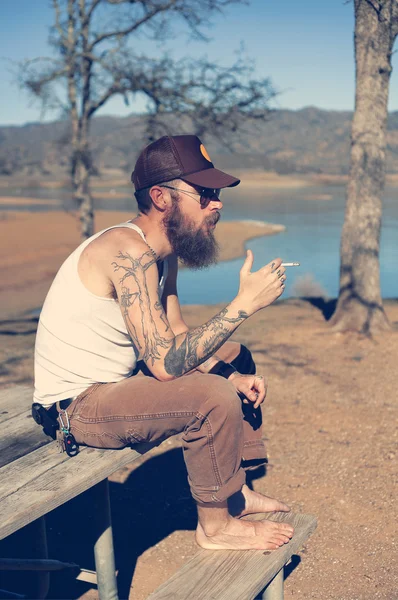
(313, 217)
(312, 238)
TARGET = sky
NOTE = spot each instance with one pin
(304, 46)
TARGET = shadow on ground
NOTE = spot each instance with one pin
(22, 327)
(327, 307)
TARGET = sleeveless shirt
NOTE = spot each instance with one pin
(81, 338)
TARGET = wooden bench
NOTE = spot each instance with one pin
(232, 575)
(35, 479)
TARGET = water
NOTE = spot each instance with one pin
(312, 237)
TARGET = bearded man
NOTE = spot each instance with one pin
(116, 360)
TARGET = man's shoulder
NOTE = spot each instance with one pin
(120, 239)
(100, 259)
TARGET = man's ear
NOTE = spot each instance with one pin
(160, 197)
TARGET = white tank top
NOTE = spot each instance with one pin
(81, 338)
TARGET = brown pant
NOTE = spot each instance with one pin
(218, 430)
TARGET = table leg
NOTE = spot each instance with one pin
(274, 590)
(38, 533)
(103, 548)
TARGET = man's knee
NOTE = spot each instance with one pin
(221, 397)
(244, 362)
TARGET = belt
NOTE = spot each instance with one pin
(53, 410)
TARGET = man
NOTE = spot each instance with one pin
(115, 356)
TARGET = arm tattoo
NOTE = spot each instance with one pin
(136, 268)
(201, 343)
(125, 303)
(159, 306)
(181, 353)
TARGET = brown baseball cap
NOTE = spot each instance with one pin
(178, 157)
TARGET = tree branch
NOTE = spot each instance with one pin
(90, 11)
(128, 30)
(116, 88)
(58, 25)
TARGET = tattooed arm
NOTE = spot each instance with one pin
(168, 356)
(171, 305)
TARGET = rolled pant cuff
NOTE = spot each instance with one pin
(221, 493)
(255, 451)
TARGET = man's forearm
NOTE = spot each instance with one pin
(192, 348)
(208, 364)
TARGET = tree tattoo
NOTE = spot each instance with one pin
(136, 269)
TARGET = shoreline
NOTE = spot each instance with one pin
(250, 178)
(33, 245)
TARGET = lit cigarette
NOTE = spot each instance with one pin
(290, 264)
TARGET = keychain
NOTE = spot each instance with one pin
(66, 440)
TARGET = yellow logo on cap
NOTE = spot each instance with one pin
(204, 152)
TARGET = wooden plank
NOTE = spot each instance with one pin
(20, 435)
(14, 401)
(231, 574)
(31, 489)
(21, 472)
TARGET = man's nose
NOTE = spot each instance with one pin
(216, 204)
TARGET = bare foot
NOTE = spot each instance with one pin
(248, 502)
(245, 535)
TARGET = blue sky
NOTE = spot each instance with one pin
(305, 46)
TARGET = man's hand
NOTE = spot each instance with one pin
(261, 288)
(252, 387)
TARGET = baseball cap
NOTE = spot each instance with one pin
(178, 157)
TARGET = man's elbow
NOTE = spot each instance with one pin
(162, 375)
(166, 377)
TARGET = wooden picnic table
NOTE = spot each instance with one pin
(35, 479)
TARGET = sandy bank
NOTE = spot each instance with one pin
(106, 185)
(22, 201)
(109, 183)
(34, 245)
(254, 178)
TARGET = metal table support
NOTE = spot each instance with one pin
(36, 532)
(274, 590)
(103, 548)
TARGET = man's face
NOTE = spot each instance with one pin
(190, 227)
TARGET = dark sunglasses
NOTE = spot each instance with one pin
(206, 195)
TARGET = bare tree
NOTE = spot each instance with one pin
(94, 61)
(359, 305)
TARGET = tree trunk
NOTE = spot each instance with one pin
(81, 193)
(80, 159)
(359, 305)
(81, 172)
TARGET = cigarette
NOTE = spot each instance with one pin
(290, 264)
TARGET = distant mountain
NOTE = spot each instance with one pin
(303, 141)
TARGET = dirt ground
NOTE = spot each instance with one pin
(330, 420)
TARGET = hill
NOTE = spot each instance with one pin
(309, 140)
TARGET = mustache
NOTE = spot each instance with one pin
(213, 219)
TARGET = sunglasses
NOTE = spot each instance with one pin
(206, 195)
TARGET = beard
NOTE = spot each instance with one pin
(196, 248)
